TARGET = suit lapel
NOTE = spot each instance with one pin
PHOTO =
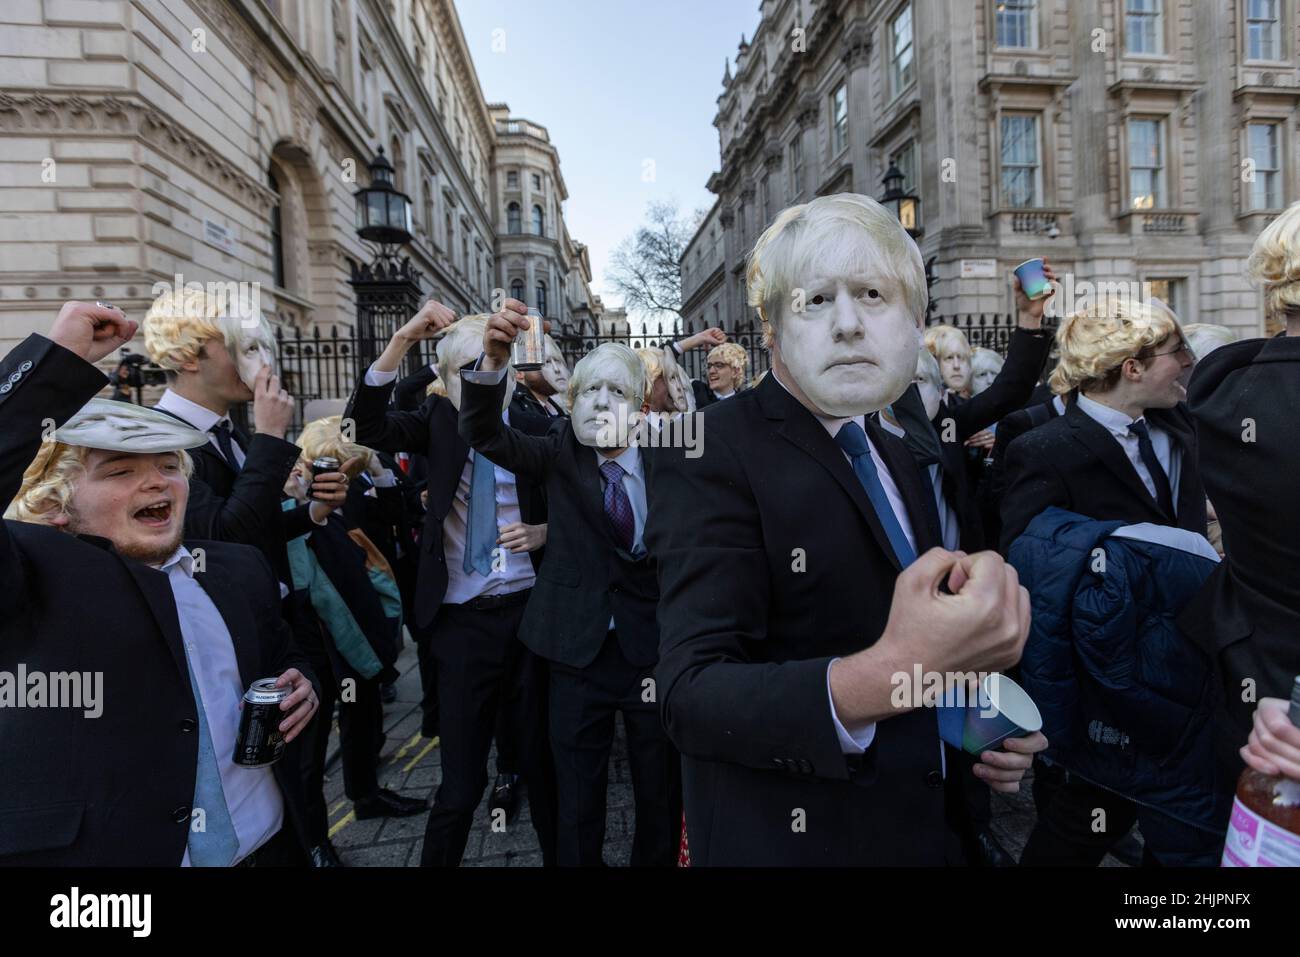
(1106, 448)
(589, 490)
(911, 485)
(243, 633)
(157, 591)
(445, 438)
(800, 427)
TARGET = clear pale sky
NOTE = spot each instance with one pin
(616, 82)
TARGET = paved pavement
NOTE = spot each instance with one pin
(409, 764)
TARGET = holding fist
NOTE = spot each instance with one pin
(92, 330)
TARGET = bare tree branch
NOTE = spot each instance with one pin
(645, 269)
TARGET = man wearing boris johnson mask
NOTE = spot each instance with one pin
(803, 589)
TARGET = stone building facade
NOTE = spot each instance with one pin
(540, 263)
(1127, 140)
(222, 140)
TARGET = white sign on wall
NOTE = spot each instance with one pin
(979, 269)
(215, 234)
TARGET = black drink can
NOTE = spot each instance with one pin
(260, 742)
(326, 463)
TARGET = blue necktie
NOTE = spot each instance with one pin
(481, 524)
(217, 844)
(853, 441)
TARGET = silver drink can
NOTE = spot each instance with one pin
(529, 349)
(260, 742)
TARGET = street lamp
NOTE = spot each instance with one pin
(388, 288)
(906, 207)
(383, 213)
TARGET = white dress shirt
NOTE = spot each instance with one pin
(856, 742)
(203, 419)
(516, 572)
(1117, 424)
(252, 794)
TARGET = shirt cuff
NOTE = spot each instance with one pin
(851, 742)
(478, 376)
(385, 479)
(312, 515)
(375, 377)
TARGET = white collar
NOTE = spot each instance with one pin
(1058, 403)
(723, 395)
(182, 558)
(629, 459)
(1112, 420)
(831, 425)
(201, 417)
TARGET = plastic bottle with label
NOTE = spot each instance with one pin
(1265, 826)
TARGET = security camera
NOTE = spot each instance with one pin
(1052, 231)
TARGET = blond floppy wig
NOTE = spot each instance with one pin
(325, 437)
(459, 343)
(734, 355)
(945, 339)
(178, 323)
(1095, 342)
(624, 355)
(652, 359)
(1275, 263)
(845, 233)
(51, 480)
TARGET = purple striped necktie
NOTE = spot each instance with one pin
(618, 507)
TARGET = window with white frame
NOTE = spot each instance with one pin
(1263, 30)
(1144, 26)
(1146, 163)
(1017, 23)
(900, 50)
(1264, 148)
(796, 165)
(1022, 169)
(839, 119)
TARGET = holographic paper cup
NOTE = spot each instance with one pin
(1003, 710)
(1032, 278)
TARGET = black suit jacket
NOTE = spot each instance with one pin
(992, 492)
(771, 563)
(1243, 398)
(587, 577)
(1074, 463)
(431, 431)
(958, 420)
(409, 393)
(115, 790)
(244, 506)
(527, 403)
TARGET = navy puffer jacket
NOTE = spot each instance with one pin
(1126, 698)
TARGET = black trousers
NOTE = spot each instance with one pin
(583, 704)
(361, 736)
(482, 667)
(1065, 834)
(428, 679)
